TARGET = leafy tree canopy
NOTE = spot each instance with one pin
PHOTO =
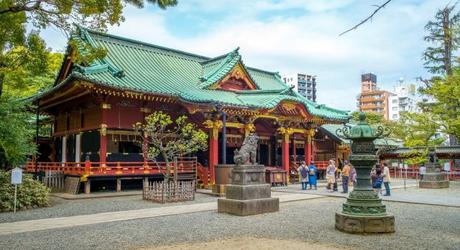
(447, 106)
(444, 36)
(418, 131)
(16, 133)
(371, 117)
(165, 137)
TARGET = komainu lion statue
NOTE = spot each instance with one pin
(247, 152)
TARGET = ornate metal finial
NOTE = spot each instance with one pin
(362, 131)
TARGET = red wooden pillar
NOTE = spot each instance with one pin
(294, 153)
(213, 147)
(103, 134)
(309, 146)
(285, 149)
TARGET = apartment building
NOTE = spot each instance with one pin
(304, 84)
(371, 98)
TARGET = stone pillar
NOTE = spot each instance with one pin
(64, 149)
(213, 150)
(118, 185)
(78, 147)
(88, 186)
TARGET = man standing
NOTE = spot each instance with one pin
(345, 177)
(386, 179)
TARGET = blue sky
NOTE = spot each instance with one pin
(294, 36)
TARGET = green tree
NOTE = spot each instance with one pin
(168, 139)
(447, 106)
(418, 131)
(16, 133)
(443, 34)
(29, 50)
(371, 117)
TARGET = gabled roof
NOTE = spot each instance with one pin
(138, 66)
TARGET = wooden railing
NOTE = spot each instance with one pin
(202, 174)
(184, 165)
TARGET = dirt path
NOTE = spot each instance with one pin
(249, 244)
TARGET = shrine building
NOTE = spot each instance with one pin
(92, 108)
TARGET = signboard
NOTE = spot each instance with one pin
(16, 176)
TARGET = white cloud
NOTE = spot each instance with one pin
(391, 45)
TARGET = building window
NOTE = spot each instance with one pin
(395, 108)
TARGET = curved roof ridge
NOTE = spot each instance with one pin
(137, 43)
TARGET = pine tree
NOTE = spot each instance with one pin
(445, 37)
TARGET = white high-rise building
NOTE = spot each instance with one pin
(304, 84)
(405, 99)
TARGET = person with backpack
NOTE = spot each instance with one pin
(303, 172)
(312, 175)
(378, 180)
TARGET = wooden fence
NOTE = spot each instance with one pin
(54, 180)
(172, 191)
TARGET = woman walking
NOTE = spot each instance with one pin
(330, 175)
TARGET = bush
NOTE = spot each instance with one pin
(31, 193)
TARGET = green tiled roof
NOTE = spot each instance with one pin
(137, 66)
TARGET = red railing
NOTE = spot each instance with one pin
(202, 174)
(113, 168)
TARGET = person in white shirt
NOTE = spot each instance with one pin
(386, 179)
(422, 171)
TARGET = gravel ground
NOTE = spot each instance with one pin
(417, 227)
(61, 207)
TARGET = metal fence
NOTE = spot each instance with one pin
(169, 191)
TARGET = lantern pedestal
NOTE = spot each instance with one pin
(364, 224)
(433, 178)
(363, 212)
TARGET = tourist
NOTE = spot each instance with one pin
(303, 172)
(422, 171)
(312, 175)
(386, 179)
(330, 175)
(345, 177)
(377, 180)
(353, 175)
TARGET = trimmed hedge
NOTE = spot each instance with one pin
(31, 193)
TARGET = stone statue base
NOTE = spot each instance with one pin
(433, 180)
(364, 224)
(223, 178)
(248, 194)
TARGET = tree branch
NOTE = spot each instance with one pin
(379, 7)
(20, 8)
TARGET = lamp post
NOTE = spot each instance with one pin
(219, 109)
(363, 212)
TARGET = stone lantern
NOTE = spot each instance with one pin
(363, 212)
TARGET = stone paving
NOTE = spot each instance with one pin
(308, 221)
(412, 194)
(80, 220)
(305, 216)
